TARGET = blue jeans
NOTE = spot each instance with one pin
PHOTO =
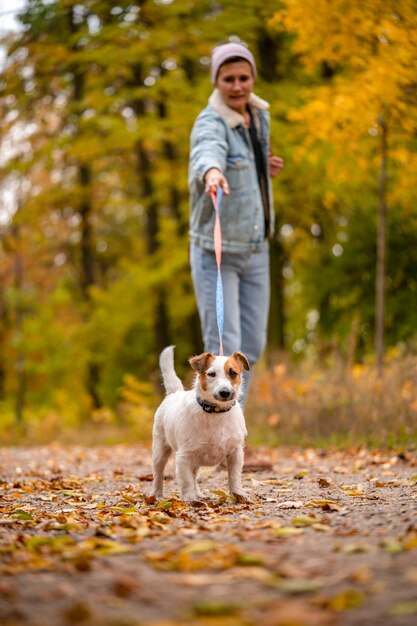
(246, 293)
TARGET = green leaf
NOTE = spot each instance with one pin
(249, 559)
(404, 608)
(164, 505)
(296, 586)
(23, 515)
(214, 608)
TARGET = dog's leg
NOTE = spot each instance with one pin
(234, 470)
(160, 455)
(186, 477)
(196, 485)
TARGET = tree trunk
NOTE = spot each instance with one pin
(3, 325)
(276, 329)
(19, 315)
(381, 252)
(144, 170)
(87, 256)
(269, 68)
(161, 316)
(85, 211)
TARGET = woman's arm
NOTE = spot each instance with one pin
(208, 151)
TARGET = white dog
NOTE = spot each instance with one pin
(203, 426)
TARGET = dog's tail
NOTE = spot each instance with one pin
(166, 362)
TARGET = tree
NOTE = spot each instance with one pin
(367, 106)
(107, 96)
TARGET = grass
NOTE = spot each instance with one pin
(305, 404)
(310, 404)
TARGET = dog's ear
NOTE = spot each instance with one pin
(201, 362)
(239, 356)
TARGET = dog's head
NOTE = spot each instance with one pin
(219, 378)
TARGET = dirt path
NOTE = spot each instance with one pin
(327, 538)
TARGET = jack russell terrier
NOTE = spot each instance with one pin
(202, 426)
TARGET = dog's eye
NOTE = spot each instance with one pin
(212, 374)
(232, 374)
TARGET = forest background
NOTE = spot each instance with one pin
(97, 100)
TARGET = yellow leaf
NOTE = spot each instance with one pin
(393, 546)
(303, 521)
(198, 547)
(321, 527)
(326, 505)
(410, 541)
(301, 474)
(214, 608)
(404, 608)
(287, 531)
(356, 548)
(348, 599)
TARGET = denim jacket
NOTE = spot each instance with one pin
(220, 139)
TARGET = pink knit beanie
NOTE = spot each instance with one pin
(220, 54)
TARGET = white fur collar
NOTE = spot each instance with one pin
(232, 117)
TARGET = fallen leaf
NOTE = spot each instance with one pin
(214, 608)
(287, 531)
(301, 474)
(326, 505)
(249, 559)
(324, 483)
(404, 608)
(321, 527)
(23, 515)
(303, 521)
(393, 546)
(294, 612)
(291, 504)
(356, 548)
(296, 586)
(344, 601)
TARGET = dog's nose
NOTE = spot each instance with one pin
(225, 393)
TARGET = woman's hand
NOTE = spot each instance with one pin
(215, 179)
(275, 165)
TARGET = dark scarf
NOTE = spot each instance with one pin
(261, 169)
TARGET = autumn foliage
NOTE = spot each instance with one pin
(96, 106)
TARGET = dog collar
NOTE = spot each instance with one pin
(212, 408)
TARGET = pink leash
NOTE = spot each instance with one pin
(217, 199)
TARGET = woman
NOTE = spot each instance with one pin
(230, 149)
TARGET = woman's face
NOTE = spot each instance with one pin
(235, 84)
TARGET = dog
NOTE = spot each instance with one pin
(202, 426)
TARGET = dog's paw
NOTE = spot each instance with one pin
(154, 496)
(241, 497)
(191, 497)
